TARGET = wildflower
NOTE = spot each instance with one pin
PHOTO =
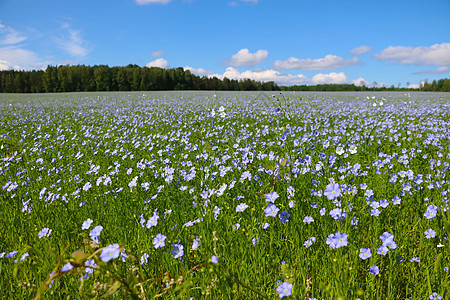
(214, 259)
(265, 225)
(430, 233)
(308, 219)
(396, 200)
(67, 267)
(152, 221)
(284, 216)
(352, 149)
(236, 226)
(415, 259)
(284, 289)
(177, 250)
(431, 212)
(340, 150)
(388, 240)
(271, 197)
(158, 240)
(110, 252)
(340, 239)
(435, 296)
(213, 112)
(271, 210)
(95, 233)
(332, 191)
(241, 207)
(374, 270)
(195, 243)
(144, 258)
(382, 250)
(45, 232)
(365, 253)
(86, 224)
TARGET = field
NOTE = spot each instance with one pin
(213, 195)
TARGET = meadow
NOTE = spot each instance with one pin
(214, 195)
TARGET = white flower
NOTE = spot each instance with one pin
(340, 150)
(221, 109)
(352, 149)
(213, 112)
(223, 114)
(374, 104)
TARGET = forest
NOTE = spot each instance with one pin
(81, 78)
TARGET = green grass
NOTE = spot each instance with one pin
(160, 135)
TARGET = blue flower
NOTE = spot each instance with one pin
(95, 233)
(110, 252)
(374, 270)
(271, 197)
(430, 233)
(284, 216)
(415, 259)
(308, 219)
(435, 296)
(284, 289)
(271, 210)
(67, 267)
(86, 224)
(177, 250)
(159, 241)
(382, 250)
(365, 253)
(214, 259)
(332, 191)
(241, 207)
(45, 232)
(144, 258)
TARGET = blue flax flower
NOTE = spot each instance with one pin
(374, 270)
(110, 252)
(284, 289)
(284, 216)
(332, 191)
(430, 233)
(365, 253)
(271, 210)
(271, 197)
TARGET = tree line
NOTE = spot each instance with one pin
(441, 85)
(81, 78)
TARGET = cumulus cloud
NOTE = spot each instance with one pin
(13, 58)
(199, 71)
(329, 62)
(160, 63)
(361, 50)
(263, 75)
(157, 53)
(72, 42)
(144, 2)
(438, 54)
(439, 70)
(337, 78)
(246, 58)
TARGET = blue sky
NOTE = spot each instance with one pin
(287, 41)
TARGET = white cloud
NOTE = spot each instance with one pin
(9, 36)
(415, 86)
(246, 58)
(199, 71)
(263, 75)
(144, 2)
(73, 43)
(438, 54)
(20, 59)
(337, 78)
(439, 70)
(157, 53)
(361, 50)
(360, 82)
(327, 63)
(160, 63)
